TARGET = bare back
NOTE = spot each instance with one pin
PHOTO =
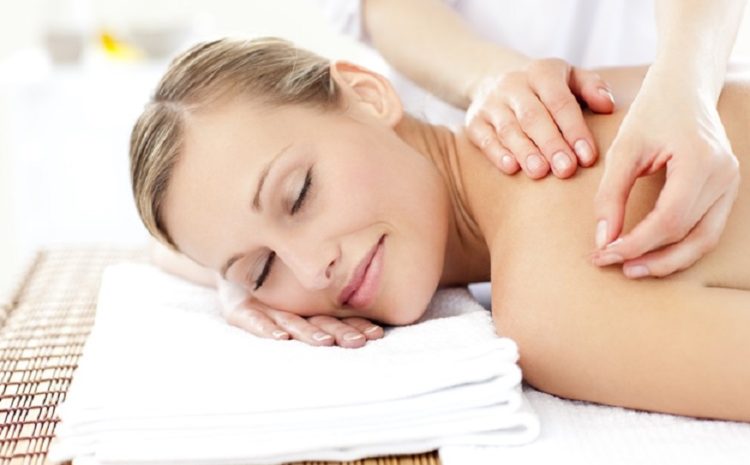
(592, 334)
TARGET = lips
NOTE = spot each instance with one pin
(364, 282)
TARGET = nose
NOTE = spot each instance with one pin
(312, 264)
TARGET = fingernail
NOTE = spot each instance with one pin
(321, 336)
(560, 161)
(583, 151)
(533, 162)
(614, 243)
(507, 162)
(636, 271)
(352, 336)
(601, 233)
(608, 259)
(371, 329)
(605, 92)
(278, 334)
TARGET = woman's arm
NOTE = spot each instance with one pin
(670, 347)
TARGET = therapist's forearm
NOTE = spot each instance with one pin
(696, 38)
(431, 45)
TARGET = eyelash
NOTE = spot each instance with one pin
(295, 208)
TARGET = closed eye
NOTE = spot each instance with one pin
(303, 192)
(295, 208)
(266, 269)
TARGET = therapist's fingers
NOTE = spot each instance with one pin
(483, 136)
(537, 123)
(512, 136)
(592, 89)
(620, 173)
(678, 208)
(562, 105)
(681, 255)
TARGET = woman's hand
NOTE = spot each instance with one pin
(531, 119)
(674, 127)
(247, 313)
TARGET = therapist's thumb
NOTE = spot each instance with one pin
(620, 174)
(592, 89)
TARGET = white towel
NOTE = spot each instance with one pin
(163, 379)
(575, 432)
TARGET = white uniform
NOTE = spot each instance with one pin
(587, 33)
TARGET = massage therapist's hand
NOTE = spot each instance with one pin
(672, 127)
(244, 312)
(530, 118)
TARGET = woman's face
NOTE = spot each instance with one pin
(317, 212)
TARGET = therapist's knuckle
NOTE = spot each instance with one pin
(528, 116)
(505, 128)
(559, 103)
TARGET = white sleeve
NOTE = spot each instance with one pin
(345, 16)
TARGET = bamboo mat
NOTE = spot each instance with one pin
(44, 323)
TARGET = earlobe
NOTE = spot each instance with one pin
(367, 91)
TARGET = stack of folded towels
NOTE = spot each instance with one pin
(164, 379)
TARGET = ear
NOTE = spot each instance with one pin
(368, 92)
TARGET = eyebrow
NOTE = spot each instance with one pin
(256, 204)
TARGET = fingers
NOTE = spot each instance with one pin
(541, 131)
(351, 332)
(483, 136)
(532, 120)
(681, 255)
(593, 90)
(562, 105)
(266, 322)
(512, 136)
(677, 210)
(255, 322)
(620, 173)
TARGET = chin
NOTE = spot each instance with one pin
(409, 309)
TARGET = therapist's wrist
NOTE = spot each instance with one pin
(685, 75)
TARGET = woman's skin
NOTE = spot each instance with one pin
(672, 345)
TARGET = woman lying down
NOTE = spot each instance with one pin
(304, 182)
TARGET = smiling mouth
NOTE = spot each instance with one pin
(362, 288)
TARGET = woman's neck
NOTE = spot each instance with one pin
(467, 257)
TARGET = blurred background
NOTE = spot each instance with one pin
(74, 75)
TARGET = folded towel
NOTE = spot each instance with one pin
(577, 432)
(163, 371)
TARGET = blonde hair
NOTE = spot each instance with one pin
(270, 70)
